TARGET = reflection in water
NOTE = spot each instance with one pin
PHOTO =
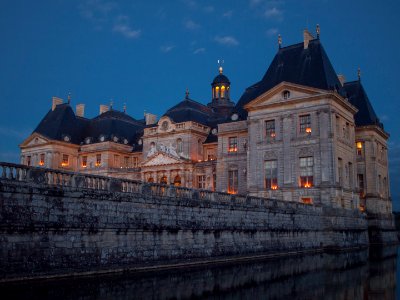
(351, 275)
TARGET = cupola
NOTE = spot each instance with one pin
(220, 91)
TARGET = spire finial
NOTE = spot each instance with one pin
(187, 94)
(220, 63)
(124, 107)
(359, 73)
(318, 31)
(69, 98)
(279, 41)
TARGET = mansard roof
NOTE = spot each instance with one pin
(62, 122)
(190, 110)
(358, 97)
(309, 67)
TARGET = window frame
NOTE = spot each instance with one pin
(271, 174)
(305, 124)
(233, 181)
(306, 171)
(232, 144)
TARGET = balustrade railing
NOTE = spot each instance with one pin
(51, 177)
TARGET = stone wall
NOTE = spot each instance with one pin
(54, 222)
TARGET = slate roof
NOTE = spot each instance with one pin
(221, 78)
(190, 110)
(62, 121)
(358, 97)
(309, 67)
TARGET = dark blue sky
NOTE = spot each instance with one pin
(146, 53)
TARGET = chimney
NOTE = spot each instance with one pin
(342, 79)
(56, 101)
(103, 108)
(150, 118)
(307, 38)
(80, 110)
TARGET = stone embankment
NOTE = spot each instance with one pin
(55, 223)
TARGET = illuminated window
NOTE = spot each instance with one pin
(65, 160)
(233, 145)
(179, 145)
(151, 179)
(270, 129)
(41, 161)
(28, 160)
(223, 91)
(305, 124)
(163, 180)
(271, 174)
(177, 180)
(135, 162)
(359, 146)
(84, 161)
(201, 181)
(233, 181)
(306, 171)
(286, 94)
(306, 200)
(217, 92)
(98, 160)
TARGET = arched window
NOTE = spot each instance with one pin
(177, 180)
(217, 92)
(163, 180)
(179, 145)
(151, 180)
(223, 91)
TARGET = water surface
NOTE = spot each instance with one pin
(353, 275)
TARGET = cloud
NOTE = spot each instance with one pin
(227, 14)
(126, 31)
(190, 3)
(96, 11)
(199, 50)
(254, 2)
(191, 25)
(167, 48)
(272, 32)
(226, 40)
(273, 13)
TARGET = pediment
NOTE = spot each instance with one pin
(34, 139)
(160, 159)
(276, 95)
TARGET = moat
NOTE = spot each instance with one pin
(351, 275)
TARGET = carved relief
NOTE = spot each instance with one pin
(306, 151)
(268, 155)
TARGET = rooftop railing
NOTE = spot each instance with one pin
(59, 178)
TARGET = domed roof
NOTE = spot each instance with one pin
(221, 78)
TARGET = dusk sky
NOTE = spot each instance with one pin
(146, 53)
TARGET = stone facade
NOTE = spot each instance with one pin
(293, 142)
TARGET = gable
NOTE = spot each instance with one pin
(34, 140)
(277, 95)
(160, 159)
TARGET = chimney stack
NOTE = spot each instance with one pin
(103, 108)
(307, 38)
(342, 79)
(56, 101)
(150, 118)
(80, 110)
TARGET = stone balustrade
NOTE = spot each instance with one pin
(60, 178)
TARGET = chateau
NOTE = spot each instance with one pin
(301, 134)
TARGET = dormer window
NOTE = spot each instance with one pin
(286, 94)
